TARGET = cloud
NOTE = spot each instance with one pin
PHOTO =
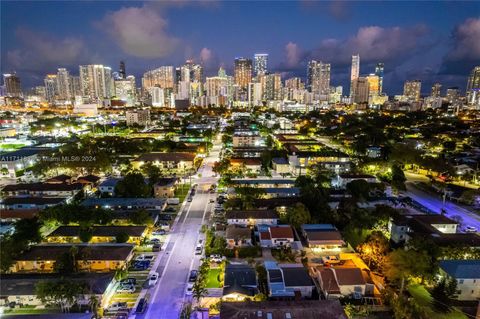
(42, 52)
(466, 41)
(464, 48)
(205, 55)
(373, 43)
(338, 9)
(140, 32)
(293, 54)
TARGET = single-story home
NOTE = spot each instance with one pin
(467, 275)
(322, 237)
(252, 217)
(288, 281)
(240, 282)
(100, 234)
(276, 236)
(344, 281)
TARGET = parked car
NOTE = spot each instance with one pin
(470, 229)
(217, 258)
(193, 275)
(131, 281)
(159, 232)
(198, 250)
(152, 280)
(142, 305)
(144, 257)
(156, 247)
(170, 209)
(141, 265)
(126, 288)
(189, 289)
(117, 306)
(154, 241)
(189, 199)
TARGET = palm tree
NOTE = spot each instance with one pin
(93, 303)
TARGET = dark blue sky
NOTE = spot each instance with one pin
(431, 40)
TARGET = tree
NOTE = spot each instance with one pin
(28, 229)
(400, 264)
(140, 217)
(133, 185)
(359, 189)
(374, 249)
(122, 237)
(398, 177)
(442, 294)
(153, 172)
(62, 293)
(85, 235)
(187, 310)
(296, 215)
(248, 195)
(93, 303)
(469, 196)
(198, 290)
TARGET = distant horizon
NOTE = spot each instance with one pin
(441, 46)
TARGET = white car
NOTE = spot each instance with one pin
(152, 281)
(217, 258)
(144, 257)
(189, 289)
(470, 229)
(117, 306)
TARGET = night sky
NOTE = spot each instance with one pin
(431, 40)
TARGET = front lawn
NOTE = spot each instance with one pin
(181, 191)
(213, 276)
(423, 299)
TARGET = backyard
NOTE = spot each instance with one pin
(212, 278)
(423, 299)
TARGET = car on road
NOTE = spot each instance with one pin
(126, 288)
(198, 249)
(470, 229)
(217, 258)
(142, 305)
(189, 289)
(152, 280)
(189, 199)
(117, 306)
(193, 275)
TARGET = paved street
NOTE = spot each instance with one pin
(178, 257)
(434, 203)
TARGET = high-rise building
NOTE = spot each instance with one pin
(217, 86)
(125, 90)
(138, 117)
(162, 77)
(412, 89)
(96, 81)
(473, 87)
(261, 63)
(75, 85)
(373, 85)
(360, 90)
(294, 84)
(122, 71)
(355, 71)
(436, 90)
(243, 72)
(379, 69)
(158, 96)
(64, 89)
(318, 77)
(13, 87)
(453, 93)
(51, 87)
(273, 87)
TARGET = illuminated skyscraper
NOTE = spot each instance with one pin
(453, 93)
(161, 77)
(243, 72)
(473, 87)
(96, 81)
(379, 72)
(12, 84)
(64, 89)
(273, 87)
(294, 84)
(125, 90)
(436, 90)
(412, 89)
(50, 87)
(355, 71)
(318, 77)
(373, 85)
(261, 63)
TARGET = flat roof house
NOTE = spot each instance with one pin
(252, 217)
(100, 234)
(322, 237)
(90, 258)
(288, 281)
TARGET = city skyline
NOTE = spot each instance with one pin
(437, 48)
